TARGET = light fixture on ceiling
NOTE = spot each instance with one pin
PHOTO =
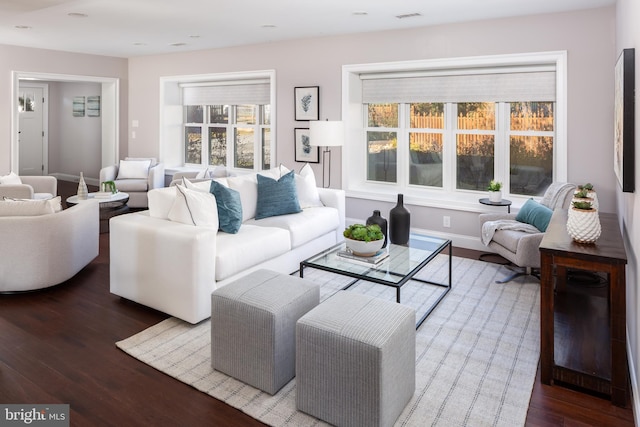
(408, 15)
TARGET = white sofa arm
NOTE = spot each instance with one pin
(42, 184)
(336, 199)
(157, 262)
(108, 173)
(156, 176)
(16, 191)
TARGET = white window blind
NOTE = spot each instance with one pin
(227, 93)
(483, 86)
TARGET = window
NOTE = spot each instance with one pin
(227, 122)
(439, 130)
(209, 131)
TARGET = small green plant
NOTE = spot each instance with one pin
(582, 205)
(366, 233)
(494, 185)
(588, 186)
(582, 194)
(109, 186)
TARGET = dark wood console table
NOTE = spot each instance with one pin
(603, 368)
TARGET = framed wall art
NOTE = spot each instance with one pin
(78, 106)
(307, 103)
(624, 126)
(305, 152)
(93, 106)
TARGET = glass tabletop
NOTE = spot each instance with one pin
(403, 260)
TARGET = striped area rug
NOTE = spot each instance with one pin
(476, 354)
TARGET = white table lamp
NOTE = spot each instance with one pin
(326, 134)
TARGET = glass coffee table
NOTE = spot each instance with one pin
(403, 263)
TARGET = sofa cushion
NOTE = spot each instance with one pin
(229, 207)
(277, 196)
(535, 214)
(132, 185)
(10, 179)
(306, 186)
(251, 246)
(134, 169)
(194, 207)
(247, 186)
(508, 239)
(27, 207)
(304, 226)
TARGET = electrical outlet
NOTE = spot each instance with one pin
(446, 221)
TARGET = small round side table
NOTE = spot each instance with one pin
(503, 202)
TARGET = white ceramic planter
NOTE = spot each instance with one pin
(583, 225)
(362, 248)
(495, 196)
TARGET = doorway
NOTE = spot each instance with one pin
(33, 138)
(110, 101)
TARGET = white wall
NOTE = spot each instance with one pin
(587, 36)
(628, 36)
(28, 60)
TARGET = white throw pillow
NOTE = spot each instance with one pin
(11, 179)
(23, 207)
(194, 207)
(202, 174)
(134, 169)
(306, 188)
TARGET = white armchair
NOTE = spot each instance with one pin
(29, 187)
(135, 176)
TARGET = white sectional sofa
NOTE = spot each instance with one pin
(174, 267)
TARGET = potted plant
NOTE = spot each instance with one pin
(587, 191)
(495, 191)
(364, 240)
(583, 222)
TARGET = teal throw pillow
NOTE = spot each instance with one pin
(229, 207)
(535, 214)
(277, 197)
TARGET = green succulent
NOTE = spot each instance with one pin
(494, 185)
(582, 205)
(582, 194)
(366, 233)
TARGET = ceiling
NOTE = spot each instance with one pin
(128, 28)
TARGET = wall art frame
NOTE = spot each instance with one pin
(307, 103)
(305, 152)
(624, 121)
(93, 106)
(78, 106)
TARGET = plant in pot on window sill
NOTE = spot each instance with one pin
(583, 222)
(364, 240)
(495, 191)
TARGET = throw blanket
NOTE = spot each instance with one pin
(556, 194)
(490, 227)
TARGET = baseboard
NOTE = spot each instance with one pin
(458, 240)
(75, 178)
(635, 402)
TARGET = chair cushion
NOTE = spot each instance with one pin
(10, 179)
(134, 169)
(277, 197)
(535, 214)
(132, 185)
(229, 207)
(29, 207)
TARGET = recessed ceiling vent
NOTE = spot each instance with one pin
(409, 15)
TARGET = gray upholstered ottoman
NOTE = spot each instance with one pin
(356, 360)
(253, 324)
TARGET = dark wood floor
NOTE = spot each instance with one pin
(58, 346)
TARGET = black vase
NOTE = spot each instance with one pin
(377, 219)
(399, 223)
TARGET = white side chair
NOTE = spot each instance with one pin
(28, 187)
(135, 176)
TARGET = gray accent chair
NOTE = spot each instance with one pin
(136, 188)
(522, 248)
(32, 187)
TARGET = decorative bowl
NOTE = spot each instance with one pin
(362, 248)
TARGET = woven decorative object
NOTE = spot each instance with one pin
(583, 225)
(83, 192)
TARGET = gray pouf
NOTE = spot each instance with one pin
(356, 360)
(253, 327)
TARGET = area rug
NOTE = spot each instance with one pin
(476, 354)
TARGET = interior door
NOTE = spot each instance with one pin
(31, 139)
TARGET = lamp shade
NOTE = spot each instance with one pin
(326, 133)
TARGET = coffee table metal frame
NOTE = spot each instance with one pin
(403, 263)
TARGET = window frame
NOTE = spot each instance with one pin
(354, 152)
